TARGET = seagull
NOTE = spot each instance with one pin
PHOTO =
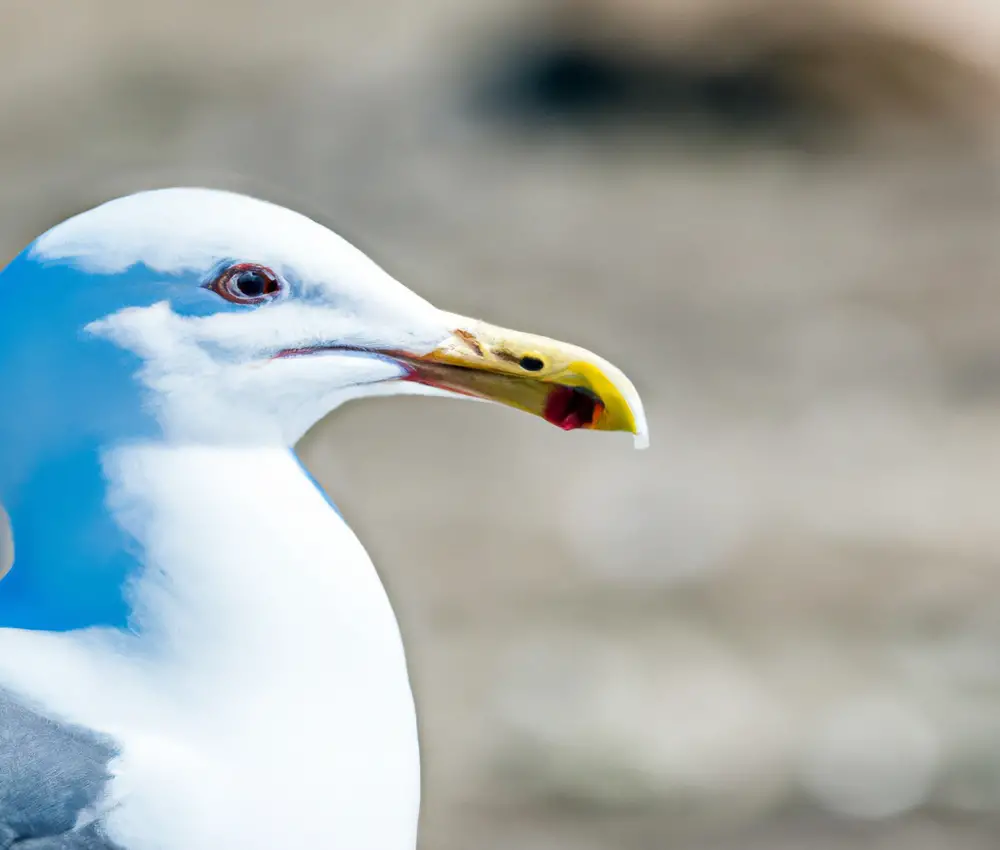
(196, 652)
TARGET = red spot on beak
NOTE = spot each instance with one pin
(570, 408)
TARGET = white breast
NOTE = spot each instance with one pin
(266, 703)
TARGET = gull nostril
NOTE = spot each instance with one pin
(531, 364)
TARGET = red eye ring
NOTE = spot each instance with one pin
(247, 283)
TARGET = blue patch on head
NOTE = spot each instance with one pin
(66, 395)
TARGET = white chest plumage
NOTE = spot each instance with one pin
(265, 702)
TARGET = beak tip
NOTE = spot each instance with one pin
(640, 429)
(629, 403)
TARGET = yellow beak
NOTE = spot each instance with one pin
(562, 383)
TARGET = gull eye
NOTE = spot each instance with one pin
(247, 283)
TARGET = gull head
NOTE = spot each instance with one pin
(210, 316)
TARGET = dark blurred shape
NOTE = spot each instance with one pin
(814, 70)
(565, 82)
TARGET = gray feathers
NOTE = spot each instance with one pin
(50, 774)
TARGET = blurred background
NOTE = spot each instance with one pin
(780, 626)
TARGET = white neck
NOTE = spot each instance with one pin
(268, 670)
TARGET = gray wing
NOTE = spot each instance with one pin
(50, 774)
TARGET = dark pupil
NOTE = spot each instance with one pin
(251, 284)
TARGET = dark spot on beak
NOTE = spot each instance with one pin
(506, 356)
(531, 364)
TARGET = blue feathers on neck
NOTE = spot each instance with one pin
(72, 561)
(66, 397)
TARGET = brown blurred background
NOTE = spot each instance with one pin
(779, 627)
